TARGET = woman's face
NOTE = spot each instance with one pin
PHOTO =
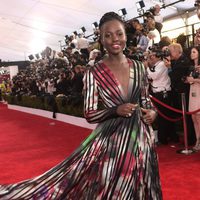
(194, 54)
(113, 37)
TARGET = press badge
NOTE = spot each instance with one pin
(194, 94)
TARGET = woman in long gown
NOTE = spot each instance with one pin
(194, 103)
(118, 160)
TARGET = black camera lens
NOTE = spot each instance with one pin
(195, 74)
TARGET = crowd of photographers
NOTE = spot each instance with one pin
(168, 66)
(56, 73)
(173, 72)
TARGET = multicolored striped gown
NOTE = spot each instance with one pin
(118, 159)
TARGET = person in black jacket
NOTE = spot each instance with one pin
(180, 69)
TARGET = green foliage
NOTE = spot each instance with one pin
(46, 103)
(69, 108)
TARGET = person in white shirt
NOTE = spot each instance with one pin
(83, 45)
(74, 40)
(150, 36)
(197, 38)
(151, 26)
(158, 18)
(61, 56)
(93, 55)
(51, 87)
(160, 88)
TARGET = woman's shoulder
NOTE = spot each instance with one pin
(98, 66)
(95, 68)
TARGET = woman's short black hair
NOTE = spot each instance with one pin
(108, 17)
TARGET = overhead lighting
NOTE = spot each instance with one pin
(95, 25)
(31, 57)
(66, 37)
(83, 30)
(75, 33)
(140, 5)
(37, 55)
(122, 12)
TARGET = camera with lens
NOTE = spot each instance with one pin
(197, 3)
(192, 72)
(165, 53)
(158, 52)
(138, 56)
(195, 74)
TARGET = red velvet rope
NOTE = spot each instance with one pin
(165, 105)
(171, 108)
(193, 112)
(166, 117)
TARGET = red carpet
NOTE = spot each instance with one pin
(30, 145)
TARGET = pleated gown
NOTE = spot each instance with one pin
(117, 161)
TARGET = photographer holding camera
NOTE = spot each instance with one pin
(158, 17)
(160, 88)
(180, 68)
(197, 38)
(194, 104)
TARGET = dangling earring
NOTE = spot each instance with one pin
(105, 50)
(124, 47)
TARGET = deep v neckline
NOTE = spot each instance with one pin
(124, 93)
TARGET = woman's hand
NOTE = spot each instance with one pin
(126, 110)
(148, 115)
(189, 79)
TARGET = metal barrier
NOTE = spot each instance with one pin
(186, 150)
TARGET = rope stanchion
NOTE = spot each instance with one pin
(185, 151)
